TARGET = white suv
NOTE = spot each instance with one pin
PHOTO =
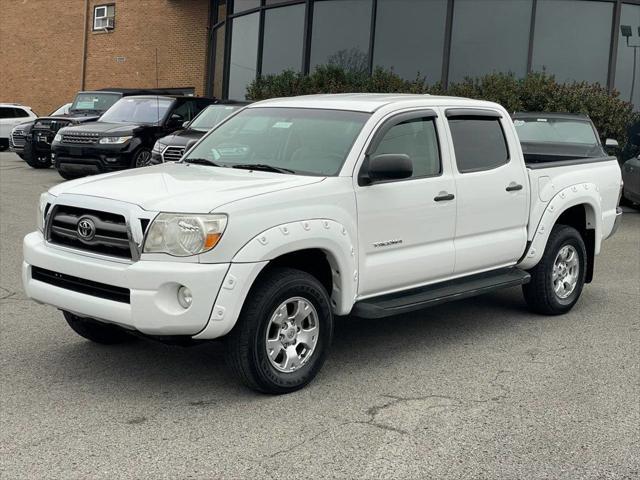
(12, 114)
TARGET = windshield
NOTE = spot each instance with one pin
(94, 101)
(555, 130)
(137, 110)
(211, 116)
(62, 110)
(302, 140)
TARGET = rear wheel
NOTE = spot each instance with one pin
(283, 334)
(96, 331)
(557, 280)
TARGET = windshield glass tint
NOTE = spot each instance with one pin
(551, 130)
(211, 116)
(137, 110)
(307, 141)
(94, 101)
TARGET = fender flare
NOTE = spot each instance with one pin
(587, 194)
(327, 235)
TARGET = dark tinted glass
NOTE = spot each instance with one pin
(626, 82)
(20, 113)
(416, 138)
(283, 31)
(572, 39)
(489, 36)
(241, 5)
(479, 143)
(410, 36)
(6, 112)
(340, 34)
(244, 55)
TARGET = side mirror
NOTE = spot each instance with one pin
(389, 166)
(185, 124)
(189, 145)
(175, 121)
(611, 143)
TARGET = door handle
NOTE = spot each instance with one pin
(444, 196)
(513, 187)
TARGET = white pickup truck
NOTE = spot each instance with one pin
(296, 210)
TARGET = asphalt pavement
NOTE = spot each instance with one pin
(480, 388)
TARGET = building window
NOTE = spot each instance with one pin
(489, 36)
(283, 39)
(244, 54)
(572, 39)
(415, 50)
(242, 5)
(340, 34)
(627, 62)
(104, 17)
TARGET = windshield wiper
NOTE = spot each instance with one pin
(262, 167)
(202, 161)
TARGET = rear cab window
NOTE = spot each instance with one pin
(478, 139)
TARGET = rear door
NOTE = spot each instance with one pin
(492, 190)
(406, 227)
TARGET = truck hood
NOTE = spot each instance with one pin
(108, 128)
(181, 187)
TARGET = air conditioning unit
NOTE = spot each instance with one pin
(106, 23)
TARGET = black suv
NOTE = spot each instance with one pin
(123, 136)
(172, 147)
(86, 107)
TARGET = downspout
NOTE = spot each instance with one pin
(84, 45)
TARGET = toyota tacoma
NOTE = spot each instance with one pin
(294, 211)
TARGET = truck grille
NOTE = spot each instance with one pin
(172, 154)
(17, 138)
(89, 230)
(52, 125)
(80, 138)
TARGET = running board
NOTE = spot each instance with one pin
(418, 298)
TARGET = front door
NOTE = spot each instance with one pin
(406, 227)
(492, 191)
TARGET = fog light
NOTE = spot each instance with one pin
(111, 159)
(184, 297)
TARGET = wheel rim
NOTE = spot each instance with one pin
(143, 159)
(292, 334)
(566, 269)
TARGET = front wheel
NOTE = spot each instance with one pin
(557, 280)
(35, 159)
(96, 331)
(283, 334)
(142, 158)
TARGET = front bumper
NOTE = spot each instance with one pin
(153, 308)
(91, 159)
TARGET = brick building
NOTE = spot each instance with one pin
(50, 49)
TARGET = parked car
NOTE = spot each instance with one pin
(172, 147)
(87, 106)
(123, 136)
(631, 179)
(295, 210)
(12, 114)
(548, 136)
(18, 136)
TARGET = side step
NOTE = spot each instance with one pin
(418, 298)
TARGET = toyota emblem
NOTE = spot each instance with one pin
(86, 229)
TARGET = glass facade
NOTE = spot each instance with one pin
(441, 40)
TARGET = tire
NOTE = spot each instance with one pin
(68, 176)
(142, 158)
(34, 160)
(247, 344)
(95, 331)
(565, 248)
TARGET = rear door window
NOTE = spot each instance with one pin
(20, 113)
(479, 143)
(6, 112)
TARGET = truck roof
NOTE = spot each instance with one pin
(368, 102)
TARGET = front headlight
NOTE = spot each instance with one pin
(115, 140)
(58, 137)
(159, 147)
(184, 235)
(45, 199)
